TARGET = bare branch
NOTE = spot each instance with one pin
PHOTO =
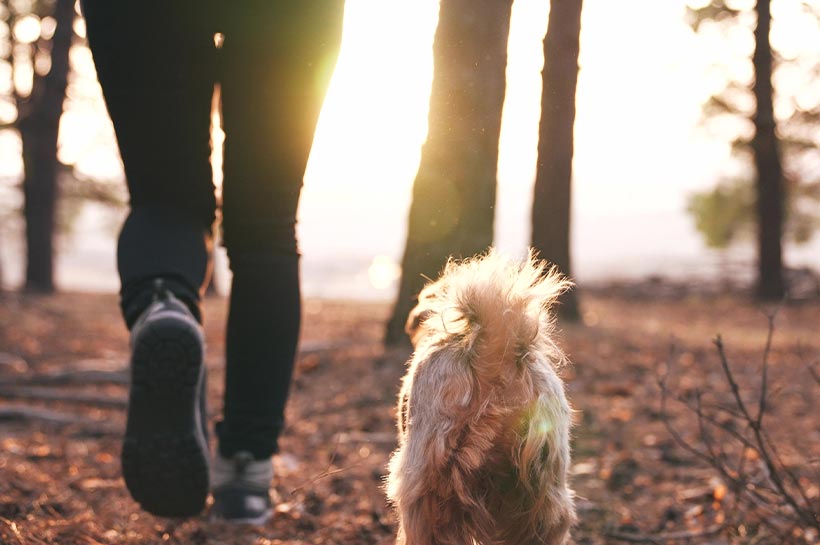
(767, 487)
(764, 379)
(327, 472)
(727, 371)
(664, 415)
(755, 424)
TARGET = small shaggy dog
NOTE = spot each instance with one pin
(483, 420)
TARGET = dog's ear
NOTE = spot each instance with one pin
(414, 321)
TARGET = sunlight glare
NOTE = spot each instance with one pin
(27, 29)
(375, 115)
(47, 27)
(383, 272)
(368, 142)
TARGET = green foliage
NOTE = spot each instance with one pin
(803, 212)
(723, 214)
(717, 10)
(726, 214)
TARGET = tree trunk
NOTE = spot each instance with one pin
(39, 121)
(454, 191)
(770, 187)
(552, 195)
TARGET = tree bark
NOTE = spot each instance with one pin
(770, 187)
(552, 200)
(2, 287)
(454, 191)
(38, 122)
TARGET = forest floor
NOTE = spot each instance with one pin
(63, 391)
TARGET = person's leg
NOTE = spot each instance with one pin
(277, 59)
(155, 63)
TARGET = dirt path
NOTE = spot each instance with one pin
(63, 391)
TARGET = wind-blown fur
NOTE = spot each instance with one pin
(483, 420)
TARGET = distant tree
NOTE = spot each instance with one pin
(768, 164)
(5, 212)
(455, 188)
(553, 179)
(783, 151)
(39, 106)
(727, 213)
(2, 273)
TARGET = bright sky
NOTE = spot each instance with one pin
(640, 91)
(639, 148)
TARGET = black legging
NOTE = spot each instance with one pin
(157, 64)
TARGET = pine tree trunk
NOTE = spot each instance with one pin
(454, 192)
(39, 125)
(553, 180)
(770, 187)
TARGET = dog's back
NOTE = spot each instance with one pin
(484, 422)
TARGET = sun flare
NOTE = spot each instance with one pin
(375, 115)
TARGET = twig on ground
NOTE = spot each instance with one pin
(47, 394)
(13, 362)
(15, 531)
(762, 486)
(764, 371)
(325, 473)
(63, 378)
(319, 476)
(307, 348)
(88, 426)
(23, 413)
(762, 446)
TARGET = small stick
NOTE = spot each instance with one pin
(46, 394)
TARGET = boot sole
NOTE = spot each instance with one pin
(165, 453)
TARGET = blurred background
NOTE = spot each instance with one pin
(663, 153)
(663, 179)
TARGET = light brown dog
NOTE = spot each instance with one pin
(483, 420)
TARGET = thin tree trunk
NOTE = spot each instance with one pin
(454, 191)
(39, 121)
(553, 180)
(770, 187)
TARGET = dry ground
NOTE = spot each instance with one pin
(59, 458)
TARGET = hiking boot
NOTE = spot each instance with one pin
(241, 488)
(165, 451)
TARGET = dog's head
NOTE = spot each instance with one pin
(435, 313)
(489, 290)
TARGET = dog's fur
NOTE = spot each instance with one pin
(483, 420)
